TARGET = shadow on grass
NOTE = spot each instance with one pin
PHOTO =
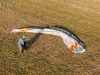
(28, 43)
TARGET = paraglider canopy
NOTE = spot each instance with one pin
(72, 42)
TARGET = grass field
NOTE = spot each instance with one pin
(48, 55)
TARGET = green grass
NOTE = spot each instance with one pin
(48, 55)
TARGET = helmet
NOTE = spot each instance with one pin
(23, 37)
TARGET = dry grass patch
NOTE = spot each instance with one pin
(48, 55)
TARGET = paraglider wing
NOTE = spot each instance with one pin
(70, 40)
